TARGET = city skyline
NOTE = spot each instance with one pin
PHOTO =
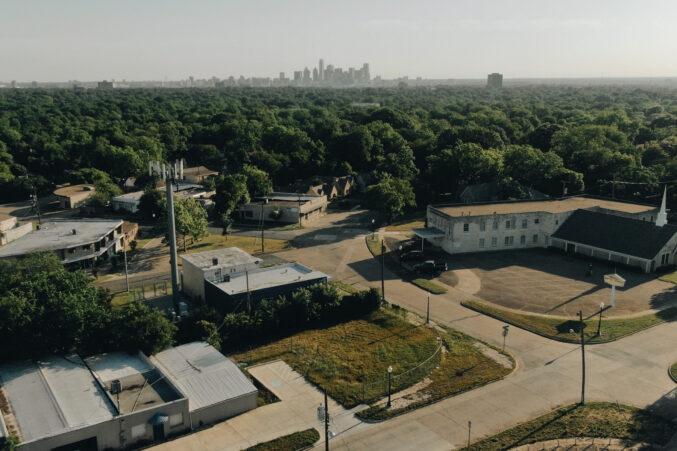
(46, 41)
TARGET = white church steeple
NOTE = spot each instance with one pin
(662, 217)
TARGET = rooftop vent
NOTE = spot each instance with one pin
(75, 232)
(115, 387)
(215, 261)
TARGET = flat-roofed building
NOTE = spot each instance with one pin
(198, 174)
(284, 207)
(73, 241)
(259, 284)
(74, 196)
(11, 229)
(215, 387)
(128, 202)
(461, 228)
(214, 266)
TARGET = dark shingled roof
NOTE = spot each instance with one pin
(633, 237)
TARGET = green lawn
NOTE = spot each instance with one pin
(348, 358)
(672, 277)
(291, 442)
(673, 370)
(410, 221)
(125, 297)
(429, 285)
(140, 244)
(374, 244)
(285, 227)
(462, 368)
(595, 419)
(248, 244)
(348, 289)
(558, 327)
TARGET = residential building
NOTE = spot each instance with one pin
(120, 400)
(74, 196)
(284, 207)
(629, 233)
(128, 202)
(214, 266)
(495, 80)
(198, 174)
(226, 294)
(11, 229)
(81, 242)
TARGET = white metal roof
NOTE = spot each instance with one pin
(117, 365)
(53, 395)
(59, 235)
(274, 276)
(203, 374)
(228, 256)
(129, 197)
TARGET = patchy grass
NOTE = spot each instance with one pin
(558, 327)
(349, 289)
(672, 277)
(249, 244)
(140, 244)
(374, 244)
(345, 357)
(291, 442)
(595, 419)
(294, 226)
(673, 371)
(429, 285)
(125, 297)
(462, 368)
(410, 221)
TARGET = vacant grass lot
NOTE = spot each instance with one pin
(462, 368)
(407, 222)
(374, 244)
(558, 328)
(291, 442)
(595, 419)
(429, 285)
(673, 371)
(672, 277)
(248, 244)
(342, 358)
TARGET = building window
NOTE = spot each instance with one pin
(523, 240)
(466, 227)
(535, 238)
(524, 223)
(481, 242)
(494, 241)
(483, 226)
(494, 226)
(556, 221)
(664, 259)
(507, 224)
(509, 240)
(537, 220)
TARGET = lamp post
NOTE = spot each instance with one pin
(506, 328)
(124, 250)
(599, 324)
(390, 372)
(383, 263)
(427, 314)
(373, 229)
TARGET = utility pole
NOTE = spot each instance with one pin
(299, 211)
(37, 203)
(580, 316)
(249, 297)
(326, 421)
(124, 251)
(383, 263)
(263, 223)
(172, 240)
(427, 314)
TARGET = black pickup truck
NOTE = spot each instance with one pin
(431, 267)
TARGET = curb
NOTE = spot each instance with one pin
(550, 337)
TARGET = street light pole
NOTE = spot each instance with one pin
(599, 324)
(124, 251)
(427, 315)
(326, 421)
(383, 263)
(506, 328)
(390, 372)
(582, 324)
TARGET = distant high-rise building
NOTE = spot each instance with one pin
(365, 72)
(316, 75)
(495, 80)
(321, 69)
(297, 76)
(281, 76)
(306, 75)
(103, 85)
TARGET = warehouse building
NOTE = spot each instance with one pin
(215, 387)
(260, 283)
(284, 208)
(213, 266)
(119, 400)
(74, 196)
(572, 224)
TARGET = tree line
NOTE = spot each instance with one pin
(421, 145)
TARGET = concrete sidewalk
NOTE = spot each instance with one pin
(296, 411)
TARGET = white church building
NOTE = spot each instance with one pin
(623, 232)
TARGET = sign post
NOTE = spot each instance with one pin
(615, 281)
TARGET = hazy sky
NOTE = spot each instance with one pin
(61, 40)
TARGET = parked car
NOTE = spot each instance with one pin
(431, 267)
(412, 255)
